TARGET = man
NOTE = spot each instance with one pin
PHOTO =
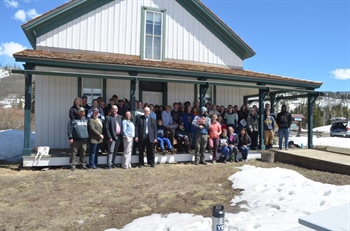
(139, 108)
(84, 104)
(201, 123)
(78, 135)
(122, 108)
(176, 114)
(213, 110)
(284, 120)
(269, 130)
(113, 133)
(146, 136)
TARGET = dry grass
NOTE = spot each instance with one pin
(59, 199)
(12, 118)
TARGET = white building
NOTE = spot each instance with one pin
(156, 51)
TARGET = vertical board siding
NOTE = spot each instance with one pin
(180, 92)
(53, 98)
(119, 87)
(115, 28)
(226, 95)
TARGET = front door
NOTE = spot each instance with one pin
(152, 97)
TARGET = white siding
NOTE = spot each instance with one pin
(116, 28)
(118, 87)
(180, 92)
(53, 98)
(226, 95)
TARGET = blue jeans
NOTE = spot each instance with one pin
(94, 154)
(244, 151)
(225, 152)
(283, 132)
(161, 142)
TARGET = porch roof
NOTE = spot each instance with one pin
(117, 62)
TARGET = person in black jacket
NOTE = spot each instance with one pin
(283, 120)
(182, 138)
(113, 134)
(146, 136)
(78, 135)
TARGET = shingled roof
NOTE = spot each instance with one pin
(32, 56)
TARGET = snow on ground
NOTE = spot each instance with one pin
(273, 198)
(11, 145)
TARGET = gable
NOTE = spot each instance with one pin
(97, 26)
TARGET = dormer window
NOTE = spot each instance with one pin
(153, 34)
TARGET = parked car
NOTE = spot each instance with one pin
(340, 127)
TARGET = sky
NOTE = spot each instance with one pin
(273, 201)
(305, 39)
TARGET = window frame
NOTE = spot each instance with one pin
(91, 95)
(143, 33)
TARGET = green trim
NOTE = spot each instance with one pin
(165, 93)
(142, 34)
(28, 93)
(195, 92)
(217, 27)
(140, 92)
(214, 94)
(176, 72)
(80, 86)
(58, 17)
(104, 89)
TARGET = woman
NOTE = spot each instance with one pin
(128, 139)
(242, 117)
(187, 119)
(253, 128)
(244, 143)
(95, 137)
(232, 140)
(214, 136)
(73, 111)
(224, 148)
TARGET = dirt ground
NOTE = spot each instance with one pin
(59, 199)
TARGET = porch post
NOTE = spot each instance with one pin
(202, 91)
(262, 95)
(272, 102)
(311, 98)
(27, 151)
(132, 92)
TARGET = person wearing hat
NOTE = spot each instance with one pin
(182, 138)
(78, 135)
(201, 123)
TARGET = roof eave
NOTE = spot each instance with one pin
(166, 71)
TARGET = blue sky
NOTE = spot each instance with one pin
(306, 39)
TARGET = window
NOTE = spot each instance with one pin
(153, 34)
(92, 88)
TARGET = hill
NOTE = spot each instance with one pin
(14, 84)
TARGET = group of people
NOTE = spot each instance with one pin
(230, 133)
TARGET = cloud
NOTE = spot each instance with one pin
(20, 15)
(11, 3)
(10, 48)
(32, 13)
(341, 74)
